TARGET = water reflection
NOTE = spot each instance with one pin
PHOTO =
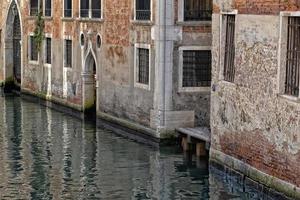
(48, 155)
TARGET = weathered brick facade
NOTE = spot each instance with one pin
(255, 127)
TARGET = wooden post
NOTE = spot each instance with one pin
(185, 144)
(200, 149)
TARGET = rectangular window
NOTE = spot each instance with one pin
(143, 66)
(90, 8)
(293, 57)
(33, 49)
(229, 69)
(96, 8)
(34, 7)
(48, 8)
(143, 10)
(48, 51)
(67, 8)
(196, 68)
(68, 53)
(197, 10)
(84, 8)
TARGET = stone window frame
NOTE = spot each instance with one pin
(222, 41)
(282, 52)
(63, 11)
(90, 12)
(44, 9)
(151, 10)
(48, 35)
(67, 37)
(180, 13)
(180, 69)
(137, 84)
(66, 69)
(33, 62)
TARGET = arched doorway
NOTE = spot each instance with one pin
(12, 47)
(89, 93)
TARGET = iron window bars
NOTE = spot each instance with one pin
(143, 66)
(143, 10)
(68, 53)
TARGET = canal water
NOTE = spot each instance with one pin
(45, 154)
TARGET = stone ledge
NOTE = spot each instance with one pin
(253, 173)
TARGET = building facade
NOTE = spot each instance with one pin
(145, 62)
(255, 99)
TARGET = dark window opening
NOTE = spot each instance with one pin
(90, 8)
(48, 8)
(48, 50)
(34, 7)
(33, 49)
(143, 9)
(293, 57)
(143, 66)
(68, 8)
(84, 8)
(68, 53)
(96, 8)
(197, 10)
(229, 69)
(196, 68)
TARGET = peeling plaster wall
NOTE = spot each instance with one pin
(250, 120)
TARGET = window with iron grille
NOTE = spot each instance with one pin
(229, 69)
(90, 8)
(143, 66)
(293, 57)
(197, 10)
(196, 68)
(67, 8)
(48, 8)
(34, 7)
(33, 49)
(68, 53)
(143, 10)
(48, 51)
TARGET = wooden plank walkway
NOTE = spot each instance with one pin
(200, 133)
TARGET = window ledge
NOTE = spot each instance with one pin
(83, 19)
(289, 98)
(227, 83)
(31, 17)
(67, 19)
(194, 89)
(142, 22)
(142, 86)
(47, 65)
(48, 18)
(33, 62)
(194, 23)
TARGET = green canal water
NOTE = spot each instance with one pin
(45, 154)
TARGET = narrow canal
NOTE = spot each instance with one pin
(45, 154)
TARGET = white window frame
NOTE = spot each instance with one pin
(136, 66)
(151, 10)
(33, 62)
(90, 11)
(222, 41)
(47, 35)
(44, 9)
(282, 51)
(180, 69)
(64, 10)
(181, 15)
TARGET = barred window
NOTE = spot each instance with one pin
(90, 8)
(48, 51)
(48, 8)
(67, 8)
(197, 10)
(34, 7)
(293, 57)
(143, 9)
(68, 53)
(143, 66)
(33, 49)
(229, 69)
(196, 68)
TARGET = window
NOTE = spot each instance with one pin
(229, 54)
(68, 53)
(34, 7)
(143, 66)
(67, 8)
(48, 8)
(196, 68)
(293, 57)
(33, 49)
(48, 51)
(143, 10)
(90, 8)
(197, 10)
